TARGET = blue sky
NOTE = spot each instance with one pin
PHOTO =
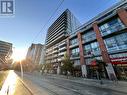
(31, 15)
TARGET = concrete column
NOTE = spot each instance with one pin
(105, 56)
(58, 70)
(122, 13)
(82, 60)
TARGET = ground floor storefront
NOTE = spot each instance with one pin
(119, 65)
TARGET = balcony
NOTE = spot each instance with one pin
(62, 49)
(62, 44)
(61, 54)
(60, 59)
(55, 56)
(55, 52)
(53, 61)
(55, 47)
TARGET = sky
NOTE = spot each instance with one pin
(31, 15)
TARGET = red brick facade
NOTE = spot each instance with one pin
(82, 60)
(122, 13)
(102, 46)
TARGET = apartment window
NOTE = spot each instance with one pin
(111, 26)
(89, 36)
(118, 42)
(75, 52)
(73, 41)
(92, 48)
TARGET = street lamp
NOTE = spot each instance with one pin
(18, 58)
(21, 68)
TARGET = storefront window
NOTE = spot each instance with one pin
(91, 35)
(111, 26)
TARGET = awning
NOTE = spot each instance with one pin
(120, 60)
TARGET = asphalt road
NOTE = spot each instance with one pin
(54, 86)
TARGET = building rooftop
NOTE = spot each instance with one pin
(103, 14)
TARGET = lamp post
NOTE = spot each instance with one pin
(21, 68)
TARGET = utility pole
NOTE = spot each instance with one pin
(21, 69)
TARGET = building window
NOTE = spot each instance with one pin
(87, 49)
(89, 36)
(122, 41)
(74, 41)
(118, 42)
(76, 62)
(111, 44)
(92, 48)
(111, 26)
(75, 52)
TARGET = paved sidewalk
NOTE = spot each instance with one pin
(120, 86)
(14, 86)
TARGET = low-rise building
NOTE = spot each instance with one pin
(5, 51)
(34, 54)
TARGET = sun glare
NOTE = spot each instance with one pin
(18, 54)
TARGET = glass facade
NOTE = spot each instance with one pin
(92, 48)
(73, 23)
(75, 52)
(111, 26)
(74, 41)
(76, 62)
(91, 35)
(115, 43)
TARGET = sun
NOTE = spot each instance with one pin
(19, 54)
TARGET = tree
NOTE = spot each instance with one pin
(67, 64)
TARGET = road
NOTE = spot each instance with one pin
(47, 85)
(54, 86)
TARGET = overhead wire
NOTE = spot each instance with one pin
(56, 9)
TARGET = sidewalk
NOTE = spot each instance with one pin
(119, 86)
(13, 85)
